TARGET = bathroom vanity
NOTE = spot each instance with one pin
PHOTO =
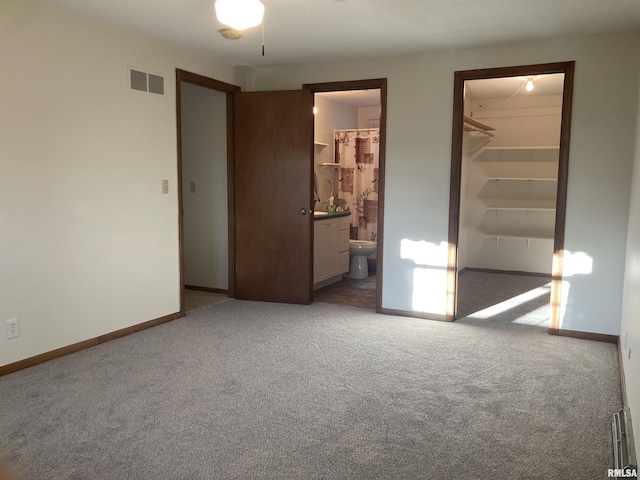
(330, 247)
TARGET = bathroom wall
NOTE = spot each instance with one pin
(204, 186)
(331, 115)
(369, 117)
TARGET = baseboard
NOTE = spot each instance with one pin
(76, 347)
(596, 337)
(507, 272)
(206, 289)
(462, 270)
(623, 382)
(408, 313)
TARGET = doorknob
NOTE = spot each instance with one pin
(303, 211)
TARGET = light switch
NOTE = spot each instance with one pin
(165, 186)
(192, 187)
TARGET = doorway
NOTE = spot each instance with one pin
(349, 139)
(508, 190)
(268, 133)
(204, 189)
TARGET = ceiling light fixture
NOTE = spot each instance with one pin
(230, 33)
(529, 86)
(239, 14)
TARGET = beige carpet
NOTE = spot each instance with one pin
(262, 391)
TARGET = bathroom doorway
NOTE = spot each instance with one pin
(508, 192)
(349, 129)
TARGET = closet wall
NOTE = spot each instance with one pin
(509, 184)
(204, 187)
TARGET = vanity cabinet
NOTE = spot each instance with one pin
(330, 250)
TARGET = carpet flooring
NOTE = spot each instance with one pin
(251, 390)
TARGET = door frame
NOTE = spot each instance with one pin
(369, 84)
(228, 89)
(567, 68)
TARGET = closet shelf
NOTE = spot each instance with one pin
(472, 125)
(522, 148)
(518, 235)
(329, 164)
(320, 144)
(519, 179)
(521, 204)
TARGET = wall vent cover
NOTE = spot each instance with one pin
(624, 453)
(142, 81)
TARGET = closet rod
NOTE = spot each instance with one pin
(470, 128)
(472, 122)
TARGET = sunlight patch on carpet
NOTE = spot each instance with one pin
(538, 316)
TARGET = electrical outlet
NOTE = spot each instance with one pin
(165, 187)
(12, 328)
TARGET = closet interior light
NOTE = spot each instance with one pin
(239, 14)
(529, 86)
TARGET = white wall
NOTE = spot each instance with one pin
(630, 328)
(332, 115)
(366, 115)
(88, 243)
(418, 156)
(204, 163)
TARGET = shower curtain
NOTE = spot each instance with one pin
(357, 153)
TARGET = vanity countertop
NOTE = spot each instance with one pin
(326, 215)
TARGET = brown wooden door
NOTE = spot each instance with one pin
(273, 158)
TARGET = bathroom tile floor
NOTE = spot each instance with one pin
(349, 291)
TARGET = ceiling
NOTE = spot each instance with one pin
(506, 87)
(356, 98)
(551, 84)
(320, 31)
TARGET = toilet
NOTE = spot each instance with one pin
(359, 250)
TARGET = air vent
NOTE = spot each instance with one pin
(145, 82)
(624, 457)
(156, 84)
